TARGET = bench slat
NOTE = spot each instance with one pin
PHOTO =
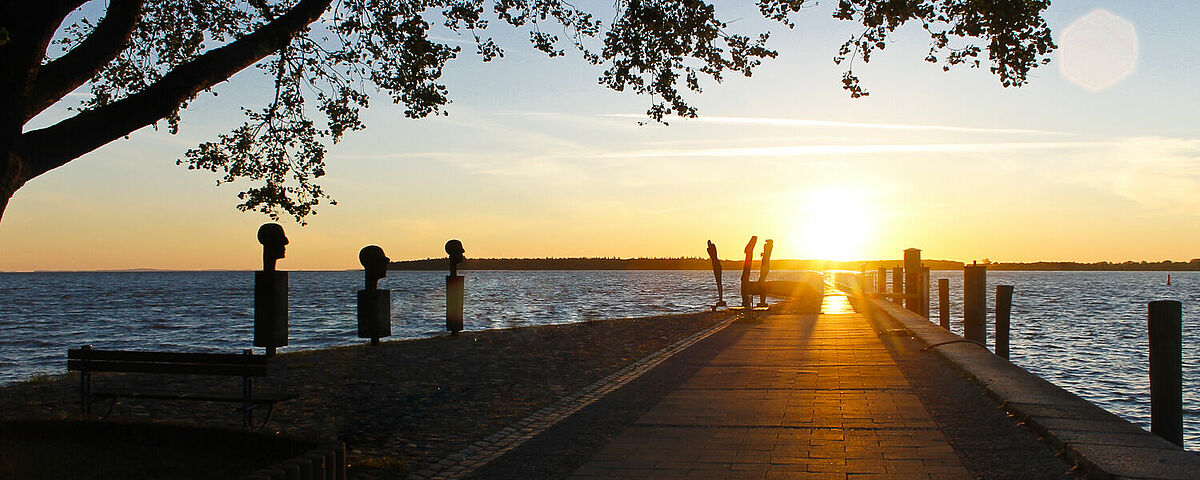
(170, 357)
(178, 368)
(257, 400)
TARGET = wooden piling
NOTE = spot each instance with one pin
(881, 280)
(944, 303)
(975, 303)
(1003, 310)
(1166, 370)
(912, 280)
(897, 283)
(925, 292)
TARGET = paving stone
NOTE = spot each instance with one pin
(797, 396)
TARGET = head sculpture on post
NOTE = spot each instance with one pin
(455, 249)
(375, 263)
(271, 236)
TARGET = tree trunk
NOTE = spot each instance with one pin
(11, 178)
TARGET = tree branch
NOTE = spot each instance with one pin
(52, 147)
(66, 73)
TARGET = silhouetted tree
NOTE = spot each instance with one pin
(145, 60)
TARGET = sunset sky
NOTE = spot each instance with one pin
(1098, 158)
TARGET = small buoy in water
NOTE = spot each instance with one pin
(1168, 279)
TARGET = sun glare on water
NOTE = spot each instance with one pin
(833, 224)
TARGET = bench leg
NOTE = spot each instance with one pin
(247, 403)
(113, 404)
(85, 393)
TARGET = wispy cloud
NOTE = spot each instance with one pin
(849, 149)
(800, 122)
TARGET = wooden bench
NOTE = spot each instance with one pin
(247, 365)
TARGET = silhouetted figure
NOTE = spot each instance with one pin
(271, 236)
(763, 270)
(455, 288)
(374, 263)
(271, 292)
(716, 264)
(455, 249)
(746, 290)
(374, 305)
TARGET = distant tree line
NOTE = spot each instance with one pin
(699, 263)
(679, 263)
(1126, 266)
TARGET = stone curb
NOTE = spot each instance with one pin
(325, 462)
(469, 459)
(1103, 444)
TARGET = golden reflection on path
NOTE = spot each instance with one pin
(836, 303)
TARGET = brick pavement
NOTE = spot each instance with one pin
(798, 396)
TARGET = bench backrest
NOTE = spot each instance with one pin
(232, 364)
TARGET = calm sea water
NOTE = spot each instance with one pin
(1084, 331)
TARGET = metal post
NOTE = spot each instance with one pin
(1003, 310)
(897, 284)
(975, 303)
(1166, 370)
(912, 280)
(944, 303)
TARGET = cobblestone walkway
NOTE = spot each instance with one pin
(798, 396)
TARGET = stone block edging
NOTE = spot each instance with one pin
(1103, 444)
(325, 462)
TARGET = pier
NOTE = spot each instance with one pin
(865, 389)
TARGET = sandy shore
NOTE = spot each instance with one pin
(400, 404)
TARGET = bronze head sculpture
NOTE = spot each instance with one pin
(375, 264)
(455, 249)
(271, 236)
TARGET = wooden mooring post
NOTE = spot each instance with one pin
(1004, 295)
(912, 280)
(925, 274)
(897, 283)
(944, 303)
(975, 303)
(881, 280)
(1166, 370)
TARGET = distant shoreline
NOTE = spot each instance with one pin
(693, 263)
(702, 264)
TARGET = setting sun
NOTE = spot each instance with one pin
(833, 224)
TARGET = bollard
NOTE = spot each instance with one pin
(881, 280)
(975, 303)
(455, 288)
(912, 280)
(898, 284)
(1003, 310)
(944, 303)
(1166, 370)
